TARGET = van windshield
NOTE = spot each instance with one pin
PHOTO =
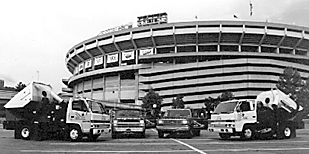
(226, 107)
(95, 107)
(177, 113)
(128, 113)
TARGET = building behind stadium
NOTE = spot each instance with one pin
(197, 59)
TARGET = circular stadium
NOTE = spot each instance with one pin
(197, 59)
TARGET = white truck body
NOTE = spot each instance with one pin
(36, 110)
(243, 118)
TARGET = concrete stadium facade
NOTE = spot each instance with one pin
(195, 59)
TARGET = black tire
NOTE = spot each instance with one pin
(25, 132)
(247, 133)
(114, 135)
(17, 134)
(92, 137)
(143, 135)
(75, 134)
(285, 132)
(225, 136)
(197, 132)
(190, 133)
(160, 134)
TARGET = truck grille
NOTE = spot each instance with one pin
(172, 122)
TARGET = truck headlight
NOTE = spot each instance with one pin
(184, 122)
(160, 121)
(141, 122)
(115, 122)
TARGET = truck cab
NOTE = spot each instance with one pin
(271, 114)
(182, 121)
(86, 117)
(128, 122)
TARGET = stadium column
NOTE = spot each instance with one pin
(136, 85)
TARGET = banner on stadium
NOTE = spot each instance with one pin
(81, 66)
(88, 63)
(98, 60)
(143, 52)
(112, 58)
(76, 70)
(127, 55)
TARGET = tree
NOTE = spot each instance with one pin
(178, 103)
(290, 82)
(152, 102)
(225, 96)
(20, 86)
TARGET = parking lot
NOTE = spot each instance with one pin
(206, 143)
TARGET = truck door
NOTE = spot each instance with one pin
(80, 114)
(246, 112)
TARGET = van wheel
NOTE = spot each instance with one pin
(160, 134)
(190, 133)
(17, 133)
(114, 135)
(25, 132)
(197, 132)
(247, 133)
(224, 136)
(75, 134)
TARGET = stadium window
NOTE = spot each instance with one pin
(186, 49)
(185, 60)
(301, 52)
(230, 48)
(127, 75)
(211, 48)
(165, 50)
(285, 51)
(249, 48)
(268, 49)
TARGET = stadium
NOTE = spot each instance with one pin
(197, 59)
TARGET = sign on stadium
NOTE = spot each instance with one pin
(117, 28)
(152, 19)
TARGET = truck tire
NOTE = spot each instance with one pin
(75, 134)
(143, 135)
(17, 133)
(25, 132)
(247, 133)
(285, 132)
(197, 132)
(190, 133)
(114, 135)
(225, 136)
(160, 134)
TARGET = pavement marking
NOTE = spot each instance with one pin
(189, 146)
(77, 151)
(167, 151)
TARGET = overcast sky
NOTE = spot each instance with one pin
(35, 35)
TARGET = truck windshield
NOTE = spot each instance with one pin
(226, 107)
(95, 107)
(128, 113)
(177, 113)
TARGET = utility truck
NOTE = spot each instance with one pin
(271, 114)
(37, 113)
(128, 122)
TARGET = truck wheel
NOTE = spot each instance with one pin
(247, 133)
(114, 135)
(17, 133)
(143, 135)
(25, 132)
(160, 134)
(75, 134)
(190, 133)
(197, 132)
(224, 136)
(285, 132)
(92, 137)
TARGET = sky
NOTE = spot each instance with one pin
(35, 35)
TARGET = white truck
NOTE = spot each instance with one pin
(271, 114)
(37, 113)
